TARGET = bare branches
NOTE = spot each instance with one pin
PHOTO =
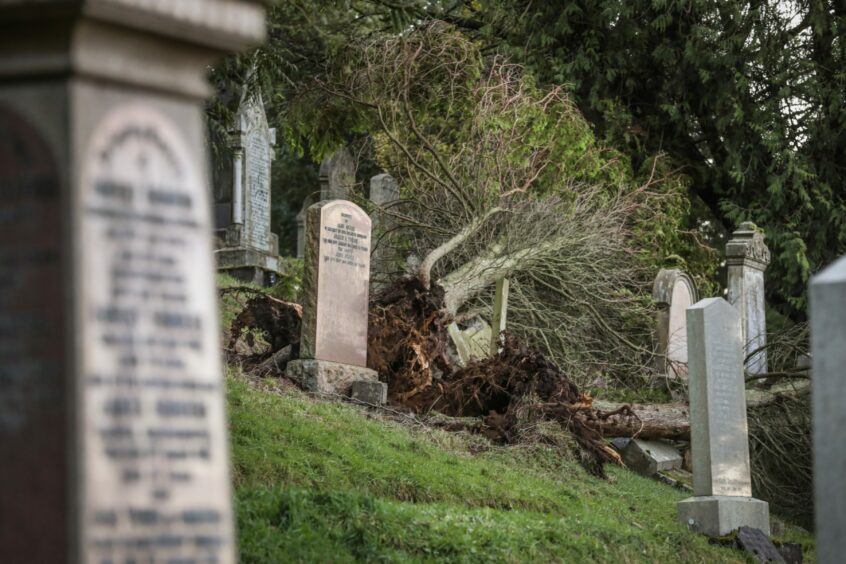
(502, 178)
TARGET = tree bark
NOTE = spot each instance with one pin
(656, 421)
(672, 420)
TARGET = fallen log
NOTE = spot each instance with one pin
(672, 420)
(653, 421)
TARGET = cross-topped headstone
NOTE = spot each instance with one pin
(112, 428)
(747, 257)
(722, 484)
(249, 250)
(336, 278)
(828, 351)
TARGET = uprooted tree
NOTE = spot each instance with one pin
(499, 179)
(502, 178)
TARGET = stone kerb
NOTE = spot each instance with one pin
(828, 336)
(673, 292)
(722, 484)
(333, 343)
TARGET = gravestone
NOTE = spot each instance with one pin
(112, 432)
(336, 277)
(747, 257)
(337, 176)
(673, 292)
(722, 483)
(247, 249)
(650, 457)
(384, 193)
(337, 179)
(828, 350)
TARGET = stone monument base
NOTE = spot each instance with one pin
(244, 262)
(327, 377)
(717, 516)
(248, 265)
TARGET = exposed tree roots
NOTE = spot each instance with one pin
(407, 345)
(277, 321)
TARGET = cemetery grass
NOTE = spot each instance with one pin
(326, 481)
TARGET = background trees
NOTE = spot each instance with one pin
(746, 96)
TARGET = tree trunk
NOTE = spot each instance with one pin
(672, 420)
(657, 421)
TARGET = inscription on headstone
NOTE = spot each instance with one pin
(333, 343)
(153, 411)
(339, 237)
(828, 348)
(722, 484)
(258, 156)
(112, 434)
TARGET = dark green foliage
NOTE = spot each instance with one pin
(749, 97)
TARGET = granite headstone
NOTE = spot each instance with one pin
(247, 249)
(828, 350)
(112, 428)
(333, 343)
(384, 193)
(722, 483)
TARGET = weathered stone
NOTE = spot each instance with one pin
(461, 348)
(384, 190)
(326, 377)
(370, 392)
(717, 516)
(719, 438)
(337, 176)
(248, 249)
(747, 257)
(650, 457)
(472, 342)
(758, 545)
(385, 193)
(112, 428)
(336, 283)
(828, 350)
(673, 292)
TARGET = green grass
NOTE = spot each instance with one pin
(320, 481)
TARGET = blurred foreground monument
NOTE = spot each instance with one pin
(112, 436)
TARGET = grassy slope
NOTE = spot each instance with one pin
(323, 481)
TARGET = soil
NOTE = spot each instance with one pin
(407, 346)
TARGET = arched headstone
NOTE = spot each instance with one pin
(673, 292)
(336, 286)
